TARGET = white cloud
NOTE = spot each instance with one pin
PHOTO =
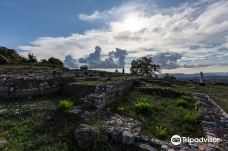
(193, 30)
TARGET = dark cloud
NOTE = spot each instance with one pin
(70, 62)
(115, 59)
(167, 60)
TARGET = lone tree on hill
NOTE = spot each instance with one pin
(144, 66)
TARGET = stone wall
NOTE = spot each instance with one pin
(106, 94)
(164, 92)
(214, 120)
(29, 82)
(78, 90)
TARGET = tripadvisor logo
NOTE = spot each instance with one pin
(177, 140)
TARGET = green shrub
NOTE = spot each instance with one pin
(65, 106)
(121, 110)
(197, 105)
(143, 105)
(191, 117)
(161, 132)
(186, 98)
(3, 60)
(182, 102)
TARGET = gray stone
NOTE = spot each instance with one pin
(3, 111)
(146, 147)
(164, 148)
(127, 138)
(2, 143)
(76, 109)
(85, 136)
(193, 146)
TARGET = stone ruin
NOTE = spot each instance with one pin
(29, 82)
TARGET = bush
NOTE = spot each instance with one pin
(121, 110)
(143, 105)
(55, 62)
(191, 117)
(161, 132)
(197, 105)
(182, 102)
(187, 98)
(65, 106)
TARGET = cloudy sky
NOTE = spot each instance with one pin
(183, 35)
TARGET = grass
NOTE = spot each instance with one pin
(41, 125)
(37, 126)
(182, 88)
(218, 93)
(87, 82)
(65, 105)
(166, 117)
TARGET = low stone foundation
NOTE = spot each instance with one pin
(78, 90)
(106, 94)
(214, 120)
(26, 83)
(160, 92)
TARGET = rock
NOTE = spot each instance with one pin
(3, 111)
(11, 89)
(146, 147)
(16, 112)
(76, 109)
(127, 138)
(164, 148)
(115, 135)
(2, 143)
(193, 146)
(85, 136)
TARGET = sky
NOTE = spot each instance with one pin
(184, 36)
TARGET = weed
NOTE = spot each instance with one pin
(191, 117)
(161, 132)
(182, 102)
(65, 106)
(143, 105)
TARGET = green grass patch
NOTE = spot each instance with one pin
(218, 93)
(143, 105)
(166, 116)
(66, 106)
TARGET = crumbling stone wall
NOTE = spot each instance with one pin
(28, 82)
(214, 119)
(106, 94)
(78, 90)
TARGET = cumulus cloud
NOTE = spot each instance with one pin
(70, 62)
(115, 59)
(191, 29)
(167, 60)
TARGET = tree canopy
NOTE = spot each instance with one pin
(10, 56)
(144, 66)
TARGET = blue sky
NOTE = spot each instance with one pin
(165, 28)
(25, 20)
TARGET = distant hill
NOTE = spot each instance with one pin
(220, 77)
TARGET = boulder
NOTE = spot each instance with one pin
(85, 136)
(127, 138)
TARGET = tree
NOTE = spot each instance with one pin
(144, 66)
(55, 62)
(32, 58)
(3, 60)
